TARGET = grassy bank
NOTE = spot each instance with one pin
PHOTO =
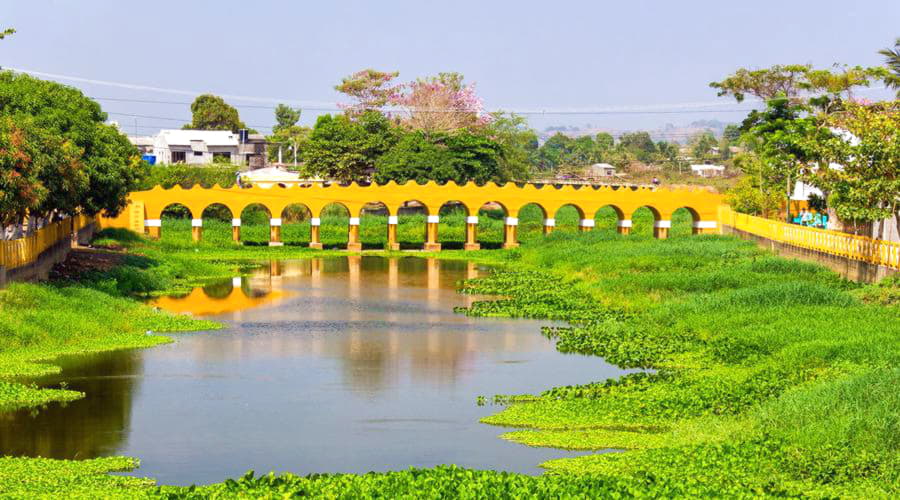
(95, 311)
(770, 377)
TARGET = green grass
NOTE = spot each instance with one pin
(768, 377)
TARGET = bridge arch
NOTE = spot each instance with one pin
(608, 217)
(684, 221)
(645, 221)
(334, 222)
(533, 220)
(568, 217)
(295, 223)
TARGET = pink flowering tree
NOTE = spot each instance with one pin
(440, 104)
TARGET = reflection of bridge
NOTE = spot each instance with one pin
(146, 207)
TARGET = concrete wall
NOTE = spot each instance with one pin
(851, 269)
(40, 268)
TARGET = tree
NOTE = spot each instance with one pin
(554, 151)
(370, 89)
(892, 60)
(5, 33)
(285, 117)
(859, 161)
(440, 104)
(765, 84)
(442, 157)
(825, 88)
(702, 144)
(518, 144)
(67, 126)
(211, 112)
(640, 144)
(345, 148)
(732, 133)
(783, 138)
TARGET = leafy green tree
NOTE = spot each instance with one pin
(285, 117)
(71, 125)
(554, 151)
(732, 133)
(346, 149)
(863, 140)
(211, 112)
(518, 143)
(604, 142)
(5, 33)
(639, 144)
(442, 157)
(702, 144)
(783, 138)
(892, 60)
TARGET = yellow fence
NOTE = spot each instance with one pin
(885, 253)
(24, 251)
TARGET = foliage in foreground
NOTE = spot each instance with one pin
(774, 365)
(40, 322)
(770, 378)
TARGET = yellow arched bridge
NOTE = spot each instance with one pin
(145, 209)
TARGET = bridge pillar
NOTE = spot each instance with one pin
(314, 223)
(549, 225)
(236, 230)
(154, 228)
(472, 233)
(392, 243)
(275, 232)
(705, 227)
(586, 225)
(661, 229)
(353, 243)
(196, 229)
(431, 234)
(624, 226)
(510, 239)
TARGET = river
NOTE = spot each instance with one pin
(344, 364)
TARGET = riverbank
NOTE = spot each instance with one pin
(772, 377)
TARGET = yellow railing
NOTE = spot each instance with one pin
(885, 253)
(24, 251)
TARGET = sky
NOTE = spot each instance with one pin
(643, 63)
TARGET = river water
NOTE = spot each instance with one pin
(345, 364)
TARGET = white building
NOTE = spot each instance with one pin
(708, 170)
(195, 147)
(201, 147)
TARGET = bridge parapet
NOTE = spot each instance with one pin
(625, 200)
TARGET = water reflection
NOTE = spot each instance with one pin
(339, 364)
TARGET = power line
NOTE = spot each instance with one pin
(560, 112)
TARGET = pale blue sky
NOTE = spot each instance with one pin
(521, 54)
